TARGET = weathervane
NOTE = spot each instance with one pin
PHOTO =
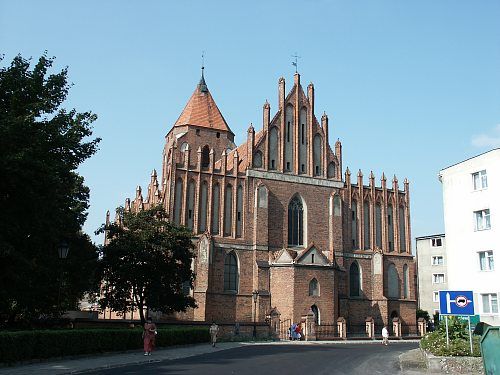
(296, 62)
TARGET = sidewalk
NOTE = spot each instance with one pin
(105, 361)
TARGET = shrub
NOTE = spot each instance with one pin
(29, 345)
(435, 342)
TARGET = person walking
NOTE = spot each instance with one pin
(385, 336)
(149, 336)
(214, 329)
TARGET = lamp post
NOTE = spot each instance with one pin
(255, 295)
(62, 251)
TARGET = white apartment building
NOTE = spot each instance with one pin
(471, 200)
(432, 273)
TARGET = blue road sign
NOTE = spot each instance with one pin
(453, 302)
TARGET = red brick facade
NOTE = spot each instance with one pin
(238, 200)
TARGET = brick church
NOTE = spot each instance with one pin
(278, 225)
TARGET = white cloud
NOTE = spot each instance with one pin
(491, 139)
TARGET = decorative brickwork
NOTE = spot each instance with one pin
(281, 204)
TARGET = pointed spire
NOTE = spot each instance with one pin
(347, 171)
(267, 105)
(202, 86)
(383, 177)
(372, 176)
(153, 173)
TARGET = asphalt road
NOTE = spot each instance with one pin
(282, 360)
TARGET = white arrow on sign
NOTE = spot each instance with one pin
(448, 303)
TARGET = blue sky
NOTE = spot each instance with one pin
(410, 87)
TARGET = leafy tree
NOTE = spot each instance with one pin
(423, 314)
(146, 264)
(43, 200)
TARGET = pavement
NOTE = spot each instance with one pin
(105, 362)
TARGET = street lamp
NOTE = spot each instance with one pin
(255, 295)
(62, 251)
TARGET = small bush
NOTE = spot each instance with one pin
(435, 342)
(29, 345)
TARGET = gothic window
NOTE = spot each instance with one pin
(239, 210)
(190, 205)
(378, 225)
(406, 289)
(354, 280)
(337, 211)
(184, 146)
(402, 233)
(273, 148)
(366, 217)
(354, 225)
(317, 155)
(331, 170)
(231, 273)
(303, 142)
(203, 207)
(178, 201)
(392, 282)
(314, 287)
(205, 156)
(390, 226)
(215, 208)
(289, 126)
(295, 222)
(228, 210)
(257, 159)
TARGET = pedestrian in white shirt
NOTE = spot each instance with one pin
(385, 336)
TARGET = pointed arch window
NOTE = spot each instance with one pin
(295, 222)
(215, 208)
(239, 211)
(354, 225)
(228, 210)
(354, 280)
(378, 225)
(314, 287)
(392, 282)
(178, 201)
(190, 204)
(390, 226)
(257, 159)
(231, 273)
(205, 156)
(402, 232)
(367, 232)
(203, 207)
(406, 288)
(273, 148)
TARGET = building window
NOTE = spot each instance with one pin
(437, 260)
(438, 278)
(480, 180)
(217, 135)
(186, 288)
(231, 273)
(482, 219)
(436, 242)
(435, 296)
(354, 280)
(205, 156)
(257, 159)
(197, 131)
(314, 288)
(392, 282)
(354, 225)
(490, 303)
(486, 260)
(406, 287)
(295, 222)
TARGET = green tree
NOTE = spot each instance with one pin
(43, 200)
(423, 314)
(146, 264)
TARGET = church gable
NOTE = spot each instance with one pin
(284, 257)
(312, 255)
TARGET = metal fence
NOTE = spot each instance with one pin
(326, 332)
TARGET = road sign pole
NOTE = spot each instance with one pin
(447, 337)
(470, 335)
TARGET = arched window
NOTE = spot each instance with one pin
(205, 156)
(406, 287)
(337, 211)
(303, 141)
(295, 222)
(228, 210)
(239, 210)
(331, 170)
(392, 282)
(203, 207)
(289, 133)
(390, 226)
(314, 287)
(231, 273)
(402, 233)
(178, 201)
(354, 225)
(378, 225)
(257, 159)
(366, 219)
(354, 280)
(273, 148)
(317, 154)
(184, 146)
(190, 205)
(215, 208)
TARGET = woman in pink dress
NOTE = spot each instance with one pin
(149, 336)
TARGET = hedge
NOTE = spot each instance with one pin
(30, 345)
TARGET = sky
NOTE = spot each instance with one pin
(410, 87)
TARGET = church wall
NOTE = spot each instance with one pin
(282, 290)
